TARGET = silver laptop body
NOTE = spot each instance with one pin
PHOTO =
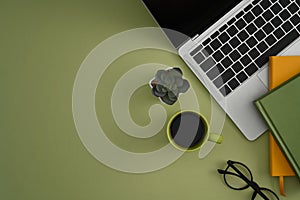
(235, 71)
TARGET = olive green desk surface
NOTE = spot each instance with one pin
(43, 44)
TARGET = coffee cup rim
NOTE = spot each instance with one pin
(206, 136)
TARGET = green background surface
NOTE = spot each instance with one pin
(43, 44)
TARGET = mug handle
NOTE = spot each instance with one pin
(217, 138)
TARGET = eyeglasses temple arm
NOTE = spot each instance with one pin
(221, 171)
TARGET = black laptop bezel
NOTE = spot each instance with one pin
(156, 7)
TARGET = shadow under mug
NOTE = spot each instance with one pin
(189, 131)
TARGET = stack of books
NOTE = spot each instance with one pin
(281, 110)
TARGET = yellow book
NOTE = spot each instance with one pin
(281, 69)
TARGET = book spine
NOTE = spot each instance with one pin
(277, 137)
(271, 63)
(271, 81)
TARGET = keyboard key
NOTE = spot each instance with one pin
(218, 56)
(251, 69)
(214, 35)
(293, 8)
(259, 35)
(208, 50)
(276, 8)
(242, 77)
(245, 60)
(268, 28)
(278, 33)
(248, 8)
(225, 90)
(226, 49)
(284, 15)
(234, 55)
(234, 42)
(298, 27)
(206, 42)
(240, 24)
(215, 44)
(253, 53)
(243, 35)
(199, 58)
(232, 30)
(267, 15)
(220, 68)
(218, 82)
(225, 76)
(262, 46)
(251, 28)
(207, 64)
(231, 21)
(255, 2)
(204, 52)
(226, 62)
(295, 20)
(287, 26)
(284, 3)
(243, 48)
(198, 48)
(257, 10)
(248, 17)
(280, 45)
(233, 83)
(259, 22)
(240, 14)
(223, 28)
(237, 67)
(251, 42)
(270, 40)
(224, 37)
(276, 21)
(265, 4)
(215, 72)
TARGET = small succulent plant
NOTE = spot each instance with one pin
(168, 84)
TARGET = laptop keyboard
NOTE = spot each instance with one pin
(239, 48)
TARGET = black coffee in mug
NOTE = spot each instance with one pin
(187, 130)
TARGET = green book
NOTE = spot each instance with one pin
(281, 110)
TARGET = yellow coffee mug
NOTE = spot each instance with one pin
(189, 131)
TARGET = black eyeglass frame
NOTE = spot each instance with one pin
(250, 183)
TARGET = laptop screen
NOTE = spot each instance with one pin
(189, 17)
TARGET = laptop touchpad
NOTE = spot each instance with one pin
(264, 76)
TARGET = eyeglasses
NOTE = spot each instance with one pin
(238, 176)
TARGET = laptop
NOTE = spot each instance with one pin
(227, 44)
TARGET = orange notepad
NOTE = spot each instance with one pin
(281, 68)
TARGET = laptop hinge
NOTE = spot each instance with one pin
(195, 37)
